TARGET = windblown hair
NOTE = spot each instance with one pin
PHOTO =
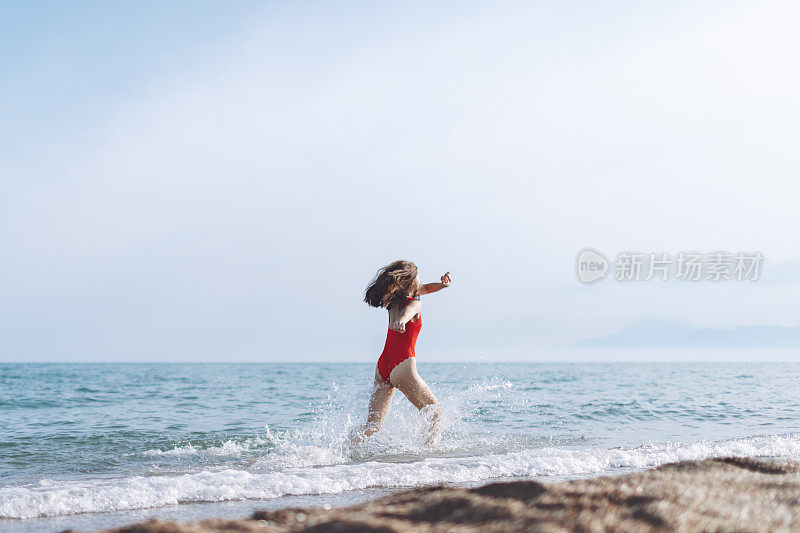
(392, 284)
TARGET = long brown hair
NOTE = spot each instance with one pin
(392, 284)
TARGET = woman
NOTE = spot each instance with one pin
(396, 287)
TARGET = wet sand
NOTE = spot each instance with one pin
(726, 494)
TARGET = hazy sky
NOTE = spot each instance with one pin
(220, 180)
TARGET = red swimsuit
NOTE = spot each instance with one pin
(398, 347)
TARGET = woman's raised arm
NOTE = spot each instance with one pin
(433, 287)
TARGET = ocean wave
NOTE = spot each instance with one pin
(50, 497)
(230, 447)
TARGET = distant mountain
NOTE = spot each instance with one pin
(672, 333)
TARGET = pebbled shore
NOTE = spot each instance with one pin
(726, 494)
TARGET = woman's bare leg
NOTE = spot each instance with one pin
(379, 405)
(406, 378)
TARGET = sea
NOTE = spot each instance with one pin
(91, 446)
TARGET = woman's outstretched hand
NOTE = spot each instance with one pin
(433, 287)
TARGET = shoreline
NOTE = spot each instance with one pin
(713, 494)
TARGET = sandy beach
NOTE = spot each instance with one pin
(723, 494)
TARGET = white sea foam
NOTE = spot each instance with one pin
(51, 497)
(230, 447)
